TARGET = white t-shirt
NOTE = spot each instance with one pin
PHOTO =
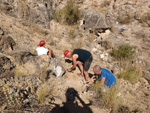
(41, 51)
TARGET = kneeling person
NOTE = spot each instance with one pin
(106, 76)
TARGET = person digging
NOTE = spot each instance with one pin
(82, 58)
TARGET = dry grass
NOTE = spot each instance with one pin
(72, 33)
(78, 44)
(145, 18)
(91, 38)
(34, 28)
(106, 44)
(141, 34)
(108, 95)
(130, 73)
(124, 17)
(105, 3)
(43, 91)
(20, 73)
(70, 14)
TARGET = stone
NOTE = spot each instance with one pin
(58, 69)
(5, 67)
(94, 20)
(7, 44)
(146, 75)
(1, 31)
(39, 12)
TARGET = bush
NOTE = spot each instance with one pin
(145, 18)
(70, 14)
(78, 44)
(90, 38)
(130, 73)
(125, 17)
(43, 91)
(72, 34)
(105, 3)
(108, 95)
(125, 51)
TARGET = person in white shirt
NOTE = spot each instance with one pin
(41, 50)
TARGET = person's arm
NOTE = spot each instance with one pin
(92, 78)
(102, 81)
(74, 59)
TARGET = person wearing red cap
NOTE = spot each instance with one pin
(41, 50)
(82, 58)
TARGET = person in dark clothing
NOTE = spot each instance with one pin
(82, 58)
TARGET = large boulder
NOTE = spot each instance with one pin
(95, 21)
(58, 68)
(6, 67)
(37, 12)
(7, 43)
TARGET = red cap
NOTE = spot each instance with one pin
(66, 52)
(42, 42)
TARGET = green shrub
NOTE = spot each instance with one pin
(125, 51)
(130, 73)
(70, 14)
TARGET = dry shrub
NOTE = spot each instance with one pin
(108, 95)
(34, 28)
(17, 72)
(78, 44)
(130, 73)
(43, 91)
(106, 44)
(72, 33)
(70, 14)
(124, 17)
(141, 34)
(145, 18)
(105, 3)
(90, 38)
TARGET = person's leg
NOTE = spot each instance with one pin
(86, 76)
(80, 66)
(50, 53)
(86, 68)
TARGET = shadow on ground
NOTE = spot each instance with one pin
(71, 105)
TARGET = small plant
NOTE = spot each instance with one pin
(105, 3)
(125, 51)
(72, 34)
(70, 14)
(43, 91)
(108, 95)
(130, 73)
(91, 38)
(145, 17)
(77, 44)
(124, 17)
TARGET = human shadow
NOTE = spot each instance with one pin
(71, 105)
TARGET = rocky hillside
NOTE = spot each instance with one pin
(116, 32)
